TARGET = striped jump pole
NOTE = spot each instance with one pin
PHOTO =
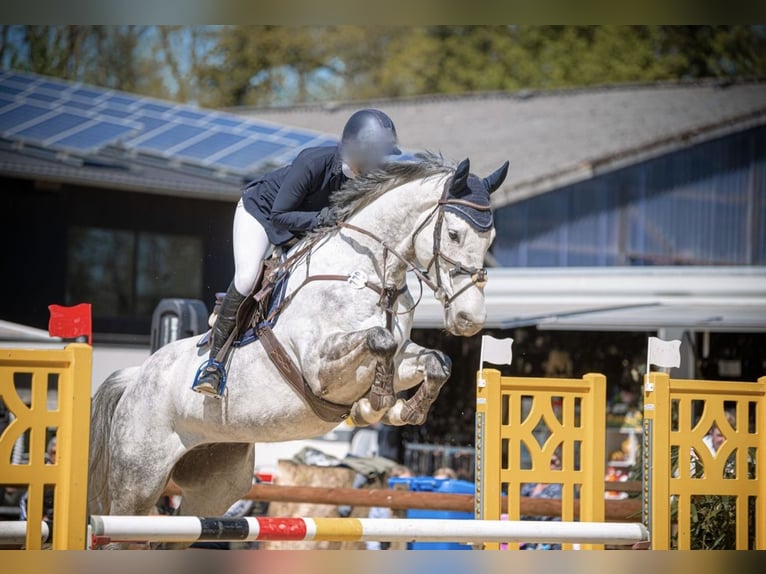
(107, 529)
(15, 531)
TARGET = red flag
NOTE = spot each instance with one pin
(70, 322)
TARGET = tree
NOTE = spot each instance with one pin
(265, 65)
(109, 56)
(222, 66)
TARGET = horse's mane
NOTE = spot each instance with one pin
(361, 191)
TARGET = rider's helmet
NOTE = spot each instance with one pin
(368, 137)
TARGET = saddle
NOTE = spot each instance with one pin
(259, 309)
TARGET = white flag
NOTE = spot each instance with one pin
(663, 353)
(497, 351)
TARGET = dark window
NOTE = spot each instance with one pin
(126, 273)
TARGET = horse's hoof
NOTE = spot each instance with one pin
(411, 416)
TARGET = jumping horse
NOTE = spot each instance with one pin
(349, 340)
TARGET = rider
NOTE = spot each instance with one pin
(287, 203)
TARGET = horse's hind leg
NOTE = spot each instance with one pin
(137, 481)
(212, 477)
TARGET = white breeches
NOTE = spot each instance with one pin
(251, 244)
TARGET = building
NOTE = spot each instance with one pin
(119, 201)
(628, 211)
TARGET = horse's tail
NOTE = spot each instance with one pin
(103, 405)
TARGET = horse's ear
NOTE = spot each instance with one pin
(495, 179)
(459, 184)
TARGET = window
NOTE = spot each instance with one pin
(126, 273)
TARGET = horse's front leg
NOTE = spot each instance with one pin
(365, 357)
(418, 364)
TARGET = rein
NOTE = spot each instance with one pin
(388, 295)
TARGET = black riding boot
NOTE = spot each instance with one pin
(210, 380)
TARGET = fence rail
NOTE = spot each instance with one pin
(616, 510)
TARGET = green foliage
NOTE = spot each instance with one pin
(713, 518)
(275, 65)
(109, 56)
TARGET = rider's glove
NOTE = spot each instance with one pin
(326, 217)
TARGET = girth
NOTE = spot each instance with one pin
(325, 410)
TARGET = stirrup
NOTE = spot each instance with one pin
(208, 366)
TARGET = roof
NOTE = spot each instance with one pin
(618, 299)
(553, 138)
(52, 129)
(128, 175)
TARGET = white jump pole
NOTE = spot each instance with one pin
(15, 531)
(192, 529)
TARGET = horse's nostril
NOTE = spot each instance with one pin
(464, 319)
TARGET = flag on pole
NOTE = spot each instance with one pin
(70, 322)
(497, 351)
(664, 354)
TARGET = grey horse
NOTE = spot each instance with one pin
(148, 426)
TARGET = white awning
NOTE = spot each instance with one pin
(618, 299)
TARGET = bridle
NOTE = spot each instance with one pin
(389, 294)
(478, 274)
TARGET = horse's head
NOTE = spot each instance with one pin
(452, 243)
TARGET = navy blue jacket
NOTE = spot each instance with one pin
(287, 201)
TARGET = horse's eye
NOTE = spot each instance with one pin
(453, 235)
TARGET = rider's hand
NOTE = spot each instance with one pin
(326, 217)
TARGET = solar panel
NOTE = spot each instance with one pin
(78, 105)
(19, 115)
(20, 79)
(87, 94)
(150, 123)
(216, 142)
(250, 155)
(155, 107)
(190, 115)
(50, 127)
(261, 129)
(169, 138)
(81, 118)
(300, 139)
(113, 112)
(227, 122)
(10, 90)
(53, 86)
(95, 136)
(41, 97)
(115, 99)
